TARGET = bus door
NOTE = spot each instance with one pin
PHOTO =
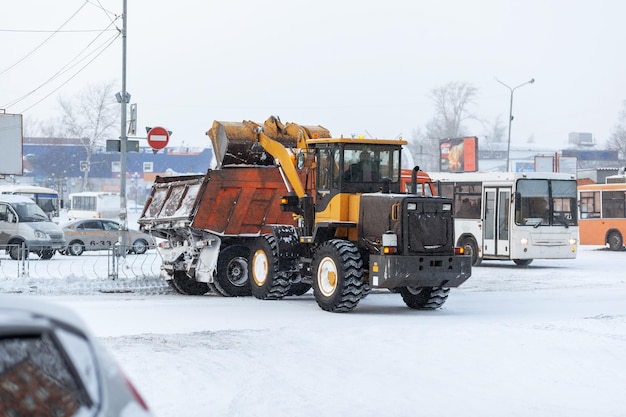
(497, 203)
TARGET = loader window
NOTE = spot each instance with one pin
(362, 166)
(324, 170)
(371, 163)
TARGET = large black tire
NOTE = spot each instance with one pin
(76, 248)
(46, 254)
(522, 262)
(338, 283)
(266, 281)
(471, 249)
(16, 252)
(232, 278)
(182, 283)
(615, 240)
(424, 298)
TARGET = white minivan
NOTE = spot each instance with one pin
(24, 228)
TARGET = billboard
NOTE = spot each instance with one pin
(458, 154)
(11, 144)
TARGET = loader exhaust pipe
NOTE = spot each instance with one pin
(414, 179)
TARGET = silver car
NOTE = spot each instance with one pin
(50, 365)
(100, 234)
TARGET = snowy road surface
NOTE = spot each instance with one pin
(545, 340)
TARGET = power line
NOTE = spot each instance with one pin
(100, 49)
(51, 31)
(72, 63)
(42, 43)
(74, 75)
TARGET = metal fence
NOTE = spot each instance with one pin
(93, 265)
(93, 272)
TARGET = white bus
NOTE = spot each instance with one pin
(46, 198)
(94, 205)
(513, 216)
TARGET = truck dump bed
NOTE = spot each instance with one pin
(231, 201)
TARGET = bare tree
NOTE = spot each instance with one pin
(451, 102)
(451, 108)
(617, 139)
(495, 130)
(416, 148)
(92, 116)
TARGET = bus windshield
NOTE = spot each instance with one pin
(544, 202)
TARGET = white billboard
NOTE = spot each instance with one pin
(11, 144)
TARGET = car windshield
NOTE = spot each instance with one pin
(30, 212)
(110, 225)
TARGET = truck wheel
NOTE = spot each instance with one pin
(338, 283)
(471, 248)
(424, 298)
(522, 262)
(231, 279)
(182, 283)
(615, 241)
(266, 282)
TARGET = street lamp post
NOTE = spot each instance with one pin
(508, 148)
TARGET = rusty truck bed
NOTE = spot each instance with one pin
(229, 201)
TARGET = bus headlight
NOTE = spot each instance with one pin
(524, 241)
(573, 241)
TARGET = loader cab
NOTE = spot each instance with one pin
(349, 166)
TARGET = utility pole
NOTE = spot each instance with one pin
(508, 149)
(123, 101)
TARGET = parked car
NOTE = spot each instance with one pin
(24, 228)
(98, 234)
(50, 365)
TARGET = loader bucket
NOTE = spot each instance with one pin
(236, 143)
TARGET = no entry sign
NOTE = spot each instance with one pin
(158, 137)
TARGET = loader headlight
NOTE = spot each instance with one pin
(446, 207)
(390, 242)
(411, 206)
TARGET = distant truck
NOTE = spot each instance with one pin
(289, 208)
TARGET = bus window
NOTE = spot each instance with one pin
(467, 200)
(532, 207)
(563, 202)
(590, 204)
(613, 204)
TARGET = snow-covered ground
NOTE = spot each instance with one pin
(547, 340)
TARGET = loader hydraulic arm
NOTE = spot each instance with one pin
(284, 160)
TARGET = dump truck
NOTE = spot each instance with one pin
(288, 208)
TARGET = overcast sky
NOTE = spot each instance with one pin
(362, 67)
